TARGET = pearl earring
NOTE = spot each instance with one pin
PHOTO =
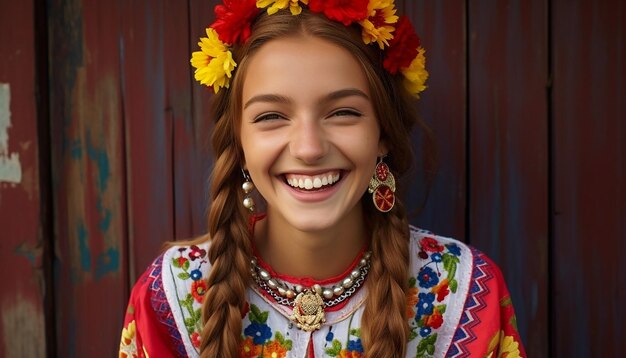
(247, 187)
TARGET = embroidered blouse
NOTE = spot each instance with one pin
(457, 306)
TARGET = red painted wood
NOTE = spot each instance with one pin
(589, 216)
(441, 27)
(21, 244)
(88, 177)
(508, 144)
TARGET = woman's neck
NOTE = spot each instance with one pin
(318, 255)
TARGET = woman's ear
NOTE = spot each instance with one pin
(382, 148)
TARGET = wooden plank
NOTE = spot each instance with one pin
(589, 180)
(22, 332)
(441, 27)
(88, 176)
(508, 141)
(149, 131)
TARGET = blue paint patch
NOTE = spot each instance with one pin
(105, 216)
(107, 262)
(102, 162)
(83, 248)
(76, 149)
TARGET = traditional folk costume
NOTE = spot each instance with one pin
(457, 306)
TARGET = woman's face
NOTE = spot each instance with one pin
(309, 133)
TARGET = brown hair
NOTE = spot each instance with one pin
(230, 250)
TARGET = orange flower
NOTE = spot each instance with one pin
(247, 349)
(411, 301)
(441, 290)
(349, 354)
(274, 349)
(435, 320)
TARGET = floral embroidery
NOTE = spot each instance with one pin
(354, 346)
(256, 341)
(503, 346)
(188, 266)
(429, 292)
(128, 344)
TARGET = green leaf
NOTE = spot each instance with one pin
(279, 337)
(197, 314)
(255, 314)
(412, 282)
(335, 349)
(453, 284)
(189, 322)
(175, 262)
(264, 316)
(412, 334)
(186, 265)
(441, 309)
(288, 344)
(513, 322)
(189, 300)
(183, 276)
(355, 332)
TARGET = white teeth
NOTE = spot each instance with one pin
(313, 182)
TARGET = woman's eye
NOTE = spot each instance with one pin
(346, 112)
(267, 117)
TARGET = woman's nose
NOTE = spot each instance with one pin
(308, 141)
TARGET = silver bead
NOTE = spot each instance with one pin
(247, 186)
(327, 293)
(290, 294)
(367, 255)
(317, 289)
(272, 283)
(264, 274)
(362, 263)
(347, 282)
(253, 261)
(282, 291)
(248, 203)
(337, 290)
(299, 288)
(355, 274)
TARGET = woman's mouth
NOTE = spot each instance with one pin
(313, 182)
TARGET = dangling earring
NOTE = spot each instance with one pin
(247, 187)
(383, 187)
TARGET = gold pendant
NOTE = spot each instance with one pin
(308, 311)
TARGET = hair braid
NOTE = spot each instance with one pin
(384, 327)
(229, 253)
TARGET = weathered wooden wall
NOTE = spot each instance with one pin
(526, 98)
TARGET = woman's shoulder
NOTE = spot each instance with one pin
(457, 292)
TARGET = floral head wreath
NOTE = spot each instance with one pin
(378, 20)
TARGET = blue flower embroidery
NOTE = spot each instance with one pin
(427, 277)
(355, 346)
(330, 336)
(260, 332)
(454, 249)
(436, 257)
(196, 275)
(424, 305)
(425, 331)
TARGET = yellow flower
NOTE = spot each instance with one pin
(503, 346)
(377, 27)
(128, 346)
(214, 63)
(294, 5)
(415, 75)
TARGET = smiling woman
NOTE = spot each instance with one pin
(314, 109)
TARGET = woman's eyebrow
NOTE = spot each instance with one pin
(270, 98)
(333, 96)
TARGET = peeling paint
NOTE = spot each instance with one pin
(23, 328)
(107, 262)
(10, 166)
(83, 247)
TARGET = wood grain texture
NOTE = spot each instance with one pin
(442, 29)
(22, 328)
(508, 161)
(88, 174)
(589, 114)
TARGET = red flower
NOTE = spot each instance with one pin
(195, 339)
(442, 290)
(403, 47)
(233, 20)
(435, 320)
(181, 261)
(198, 289)
(345, 11)
(196, 253)
(430, 244)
